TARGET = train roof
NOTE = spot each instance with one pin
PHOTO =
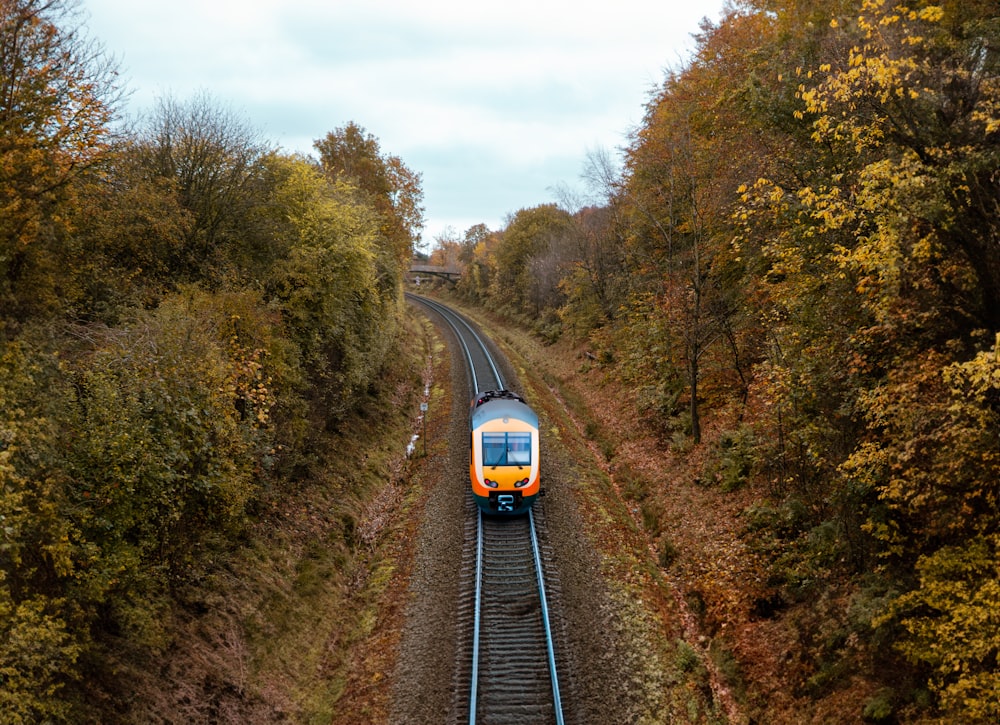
(501, 404)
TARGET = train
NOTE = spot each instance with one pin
(503, 453)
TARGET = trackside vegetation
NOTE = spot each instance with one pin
(184, 311)
(796, 273)
(792, 279)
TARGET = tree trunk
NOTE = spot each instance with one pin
(695, 418)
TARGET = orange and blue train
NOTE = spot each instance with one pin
(504, 461)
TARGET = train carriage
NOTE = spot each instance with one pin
(503, 461)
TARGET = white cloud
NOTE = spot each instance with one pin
(523, 87)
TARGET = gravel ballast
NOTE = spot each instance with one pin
(609, 668)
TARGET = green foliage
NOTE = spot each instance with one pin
(687, 658)
(528, 261)
(879, 708)
(330, 289)
(651, 517)
(177, 416)
(668, 553)
(634, 485)
(726, 664)
(41, 548)
(735, 458)
(646, 362)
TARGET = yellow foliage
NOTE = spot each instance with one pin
(953, 623)
(931, 14)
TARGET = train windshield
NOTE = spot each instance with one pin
(506, 449)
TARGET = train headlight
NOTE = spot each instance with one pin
(521, 484)
(490, 484)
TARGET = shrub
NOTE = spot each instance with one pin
(735, 458)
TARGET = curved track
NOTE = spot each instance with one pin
(508, 672)
(482, 369)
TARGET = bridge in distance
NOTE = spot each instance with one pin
(429, 270)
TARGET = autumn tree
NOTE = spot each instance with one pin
(474, 236)
(478, 262)
(57, 97)
(210, 158)
(447, 249)
(935, 465)
(915, 100)
(179, 308)
(591, 282)
(595, 283)
(136, 447)
(883, 227)
(351, 154)
(42, 547)
(675, 199)
(883, 218)
(529, 255)
(330, 287)
(130, 228)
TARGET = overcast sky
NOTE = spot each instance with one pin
(495, 104)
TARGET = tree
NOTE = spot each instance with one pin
(41, 548)
(130, 228)
(351, 154)
(677, 202)
(596, 286)
(474, 236)
(57, 97)
(329, 288)
(447, 249)
(915, 101)
(478, 262)
(936, 467)
(889, 224)
(211, 159)
(592, 282)
(529, 256)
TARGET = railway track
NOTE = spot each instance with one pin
(508, 667)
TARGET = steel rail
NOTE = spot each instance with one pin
(474, 686)
(447, 315)
(556, 701)
(450, 316)
(486, 352)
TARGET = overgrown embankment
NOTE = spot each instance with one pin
(193, 329)
(681, 550)
(279, 628)
(792, 279)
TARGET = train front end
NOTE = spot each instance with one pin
(504, 461)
